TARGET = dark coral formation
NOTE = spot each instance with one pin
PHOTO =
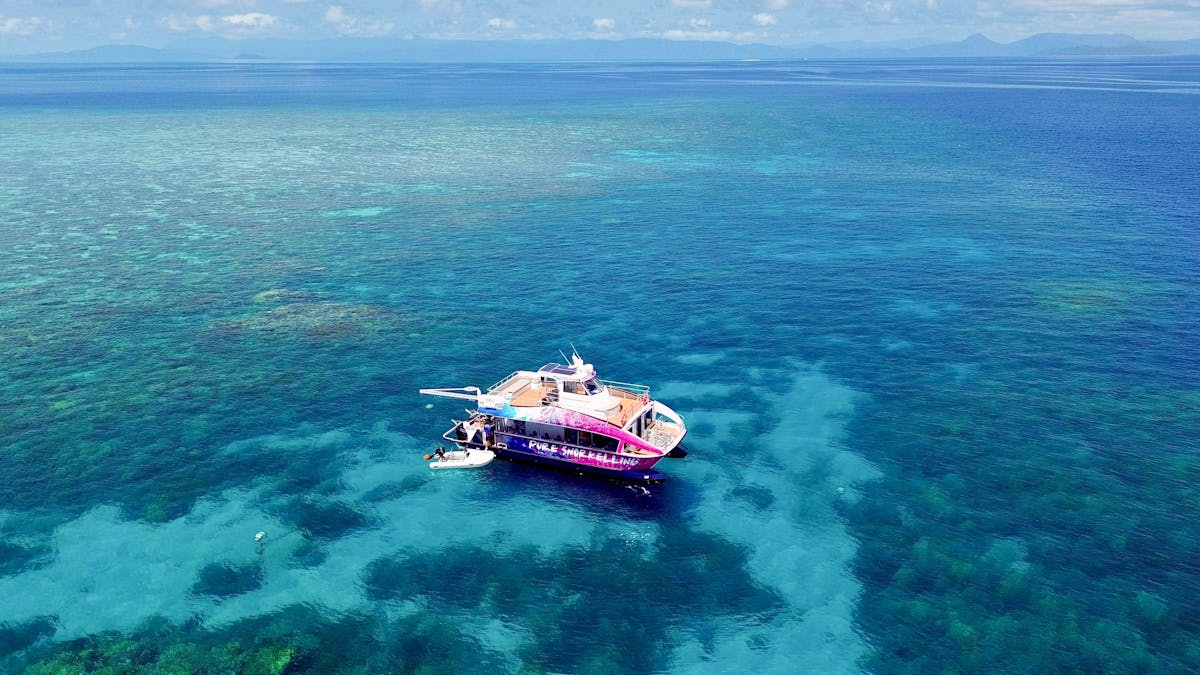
(316, 319)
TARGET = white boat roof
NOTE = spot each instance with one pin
(575, 371)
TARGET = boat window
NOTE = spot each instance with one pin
(593, 386)
(571, 435)
(541, 431)
(571, 387)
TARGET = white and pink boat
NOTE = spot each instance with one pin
(565, 416)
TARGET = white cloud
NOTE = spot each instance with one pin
(356, 26)
(442, 6)
(692, 4)
(699, 23)
(11, 25)
(1145, 15)
(880, 11)
(250, 21)
(764, 19)
(501, 24)
(180, 24)
(778, 4)
(604, 24)
(1075, 5)
(708, 35)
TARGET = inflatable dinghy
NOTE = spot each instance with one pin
(462, 459)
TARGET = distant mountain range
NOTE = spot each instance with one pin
(1044, 45)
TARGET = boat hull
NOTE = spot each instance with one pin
(624, 475)
(573, 459)
(591, 458)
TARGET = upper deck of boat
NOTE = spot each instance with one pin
(528, 392)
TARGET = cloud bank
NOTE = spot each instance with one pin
(73, 24)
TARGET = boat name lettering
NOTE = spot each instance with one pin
(590, 456)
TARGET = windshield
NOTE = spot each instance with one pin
(593, 386)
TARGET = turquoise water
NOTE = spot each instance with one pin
(934, 326)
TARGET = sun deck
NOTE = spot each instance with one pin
(528, 392)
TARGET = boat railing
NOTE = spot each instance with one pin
(503, 381)
(637, 390)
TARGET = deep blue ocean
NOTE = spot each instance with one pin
(934, 326)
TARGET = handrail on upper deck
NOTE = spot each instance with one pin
(638, 389)
(503, 381)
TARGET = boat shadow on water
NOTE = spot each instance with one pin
(614, 497)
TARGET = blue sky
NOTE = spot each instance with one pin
(49, 25)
